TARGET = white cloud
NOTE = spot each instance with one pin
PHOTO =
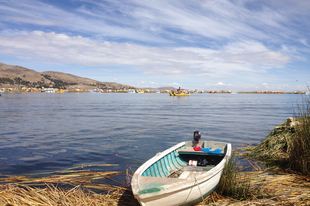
(264, 84)
(304, 42)
(61, 48)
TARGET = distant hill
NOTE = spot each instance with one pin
(17, 76)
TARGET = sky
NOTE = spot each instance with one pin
(241, 45)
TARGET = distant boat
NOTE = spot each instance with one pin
(1, 92)
(307, 93)
(233, 92)
(179, 92)
(157, 91)
(59, 91)
(95, 91)
(49, 90)
(140, 92)
(172, 177)
(131, 91)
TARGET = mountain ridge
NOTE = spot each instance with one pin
(14, 75)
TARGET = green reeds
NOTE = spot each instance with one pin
(273, 150)
(299, 153)
(231, 184)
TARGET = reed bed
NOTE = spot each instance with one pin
(74, 186)
(52, 195)
(299, 152)
(269, 189)
(81, 188)
(288, 145)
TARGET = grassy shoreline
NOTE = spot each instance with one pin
(80, 187)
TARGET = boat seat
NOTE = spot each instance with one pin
(190, 150)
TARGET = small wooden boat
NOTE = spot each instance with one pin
(172, 177)
(179, 92)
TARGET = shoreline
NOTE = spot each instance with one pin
(147, 92)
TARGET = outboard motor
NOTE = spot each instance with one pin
(197, 136)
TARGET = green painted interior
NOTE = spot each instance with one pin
(165, 165)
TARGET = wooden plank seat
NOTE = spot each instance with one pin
(190, 150)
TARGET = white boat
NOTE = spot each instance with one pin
(157, 91)
(131, 91)
(171, 177)
(233, 92)
(49, 90)
(307, 93)
(94, 91)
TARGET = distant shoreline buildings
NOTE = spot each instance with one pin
(140, 90)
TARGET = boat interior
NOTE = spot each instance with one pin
(177, 162)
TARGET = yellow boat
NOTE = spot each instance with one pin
(179, 92)
(59, 91)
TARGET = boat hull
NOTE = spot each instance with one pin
(194, 184)
(194, 192)
(181, 94)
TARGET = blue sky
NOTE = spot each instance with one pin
(241, 45)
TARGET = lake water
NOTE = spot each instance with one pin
(42, 132)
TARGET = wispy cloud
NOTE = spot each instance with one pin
(61, 48)
(150, 21)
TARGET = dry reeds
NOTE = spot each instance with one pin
(55, 196)
(66, 188)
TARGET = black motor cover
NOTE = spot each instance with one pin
(197, 135)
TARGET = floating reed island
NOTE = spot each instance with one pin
(279, 174)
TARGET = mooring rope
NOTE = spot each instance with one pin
(200, 192)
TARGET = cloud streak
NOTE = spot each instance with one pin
(61, 48)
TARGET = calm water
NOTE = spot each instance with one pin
(48, 132)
